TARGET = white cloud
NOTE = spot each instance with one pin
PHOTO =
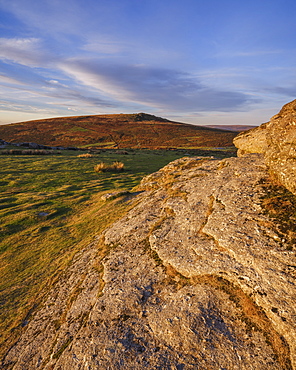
(25, 51)
(56, 83)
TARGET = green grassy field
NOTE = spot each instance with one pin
(50, 208)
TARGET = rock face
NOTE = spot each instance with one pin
(193, 277)
(277, 140)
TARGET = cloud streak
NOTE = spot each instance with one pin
(249, 53)
(25, 51)
(158, 87)
(112, 82)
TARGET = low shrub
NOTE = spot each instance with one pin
(114, 167)
(85, 155)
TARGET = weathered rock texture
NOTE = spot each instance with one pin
(193, 277)
(277, 140)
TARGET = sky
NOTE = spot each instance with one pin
(196, 61)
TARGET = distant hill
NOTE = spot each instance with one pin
(235, 128)
(138, 130)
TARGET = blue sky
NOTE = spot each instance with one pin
(195, 61)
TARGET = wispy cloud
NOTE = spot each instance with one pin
(283, 90)
(249, 53)
(157, 87)
(6, 80)
(54, 93)
(50, 97)
(105, 46)
(25, 51)
(19, 107)
(48, 16)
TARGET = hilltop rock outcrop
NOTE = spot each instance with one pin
(3, 143)
(276, 139)
(195, 276)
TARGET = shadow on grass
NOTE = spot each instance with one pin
(62, 211)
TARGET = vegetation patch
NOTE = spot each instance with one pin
(114, 167)
(280, 205)
(151, 252)
(118, 131)
(58, 354)
(85, 155)
(175, 278)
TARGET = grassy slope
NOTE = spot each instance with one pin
(118, 130)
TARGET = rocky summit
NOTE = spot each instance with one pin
(277, 140)
(194, 276)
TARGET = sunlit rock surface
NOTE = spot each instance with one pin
(276, 139)
(193, 277)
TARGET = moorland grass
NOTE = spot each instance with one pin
(114, 167)
(50, 208)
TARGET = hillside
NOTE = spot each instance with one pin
(116, 131)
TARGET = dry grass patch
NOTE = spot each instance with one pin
(280, 205)
(114, 167)
(85, 155)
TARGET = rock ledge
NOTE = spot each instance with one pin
(276, 139)
(193, 277)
